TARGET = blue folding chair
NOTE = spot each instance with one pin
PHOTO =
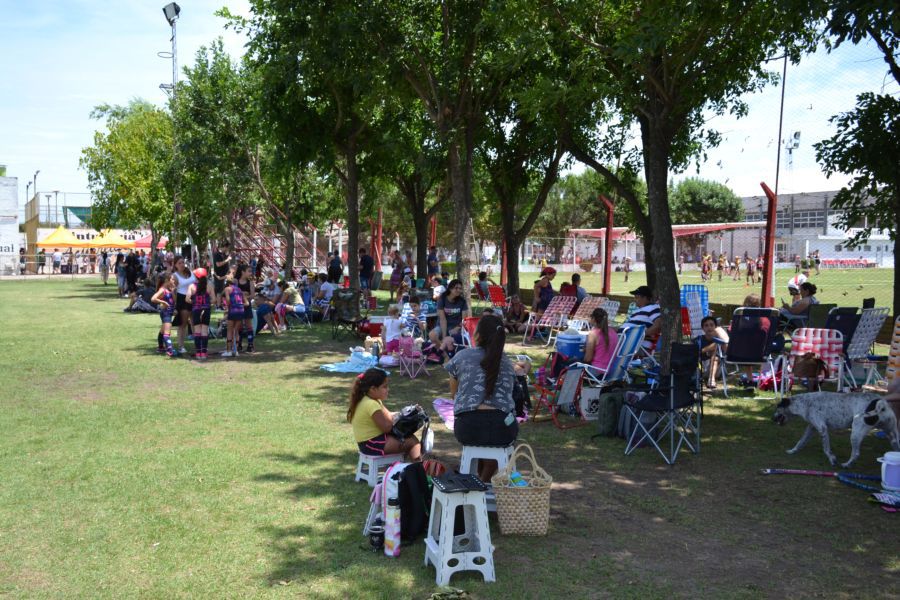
(699, 289)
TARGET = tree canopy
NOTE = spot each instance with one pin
(129, 168)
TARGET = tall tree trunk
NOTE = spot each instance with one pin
(288, 239)
(420, 222)
(513, 286)
(462, 206)
(656, 146)
(154, 240)
(352, 197)
(896, 256)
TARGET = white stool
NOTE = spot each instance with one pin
(368, 467)
(469, 464)
(470, 551)
(471, 454)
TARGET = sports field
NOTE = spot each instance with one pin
(127, 474)
(844, 287)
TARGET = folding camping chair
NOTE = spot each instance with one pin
(893, 366)
(562, 398)
(694, 305)
(827, 344)
(677, 406)
(554, 317)
(581, 319)
(751, 341)
(626, 347)
(411, 360)
(699, 289)
(845, 320)
(468, 331)
(498, 297)
(870, 323)
(345, 312)
(612, 308)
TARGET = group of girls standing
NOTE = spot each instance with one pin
(185, 299)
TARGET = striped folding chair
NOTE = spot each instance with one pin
(626, 347)
(827, 344)
(870, 322)
(893, 367)
(469, 325)
(581, 319)
(612, 308)
(498, 297)
(696, 288)
(554, 317)
(694, 304)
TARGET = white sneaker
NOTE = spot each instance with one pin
(226, 354)
(182, 350)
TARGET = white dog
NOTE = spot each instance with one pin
(833, 410)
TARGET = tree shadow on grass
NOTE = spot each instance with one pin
(322, 548)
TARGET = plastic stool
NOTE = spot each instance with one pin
(368, 467)
(468, 464)
(470, 551)
(470, 454)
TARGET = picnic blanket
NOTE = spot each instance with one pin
(358, 362)
(444, 408)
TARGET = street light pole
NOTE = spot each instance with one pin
(35, 181)
(171, 12)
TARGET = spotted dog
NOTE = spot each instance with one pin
(832, 410)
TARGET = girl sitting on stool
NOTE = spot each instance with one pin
(372, 422)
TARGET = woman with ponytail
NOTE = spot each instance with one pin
(372, 422)
(200, 296)
(601, 341)
(481, 381)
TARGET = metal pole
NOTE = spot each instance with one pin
(174, 142)
(780, 121)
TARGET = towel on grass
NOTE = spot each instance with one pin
(358, 362)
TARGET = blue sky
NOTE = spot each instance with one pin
(60, 58)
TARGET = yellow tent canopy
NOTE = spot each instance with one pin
(108, 239)
(61, 238)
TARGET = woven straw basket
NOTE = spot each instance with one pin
(523, 510)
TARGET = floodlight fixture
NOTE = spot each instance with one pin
(171, 11)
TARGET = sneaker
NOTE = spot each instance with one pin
(182, 350)
(249, 347)
(226, 354)
(240, 348)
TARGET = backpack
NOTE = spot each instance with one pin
(608, 409)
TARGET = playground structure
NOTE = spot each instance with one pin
(256, 236)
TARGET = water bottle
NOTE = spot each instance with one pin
(392, 528)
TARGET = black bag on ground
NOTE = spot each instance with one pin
(415, 502)
(627, 424)
(608, 410)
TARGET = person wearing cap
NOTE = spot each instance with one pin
(199, 297)
(543, 291)
(647, 314)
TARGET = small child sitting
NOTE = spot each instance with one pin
(412, 315)
(391, 330)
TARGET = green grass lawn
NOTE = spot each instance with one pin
(127, 474)
(844, 287)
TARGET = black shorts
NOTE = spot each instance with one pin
(201, 316)
(373, 447)
(248, 313)
(484, 428)
(181, 303)
(218, 285)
